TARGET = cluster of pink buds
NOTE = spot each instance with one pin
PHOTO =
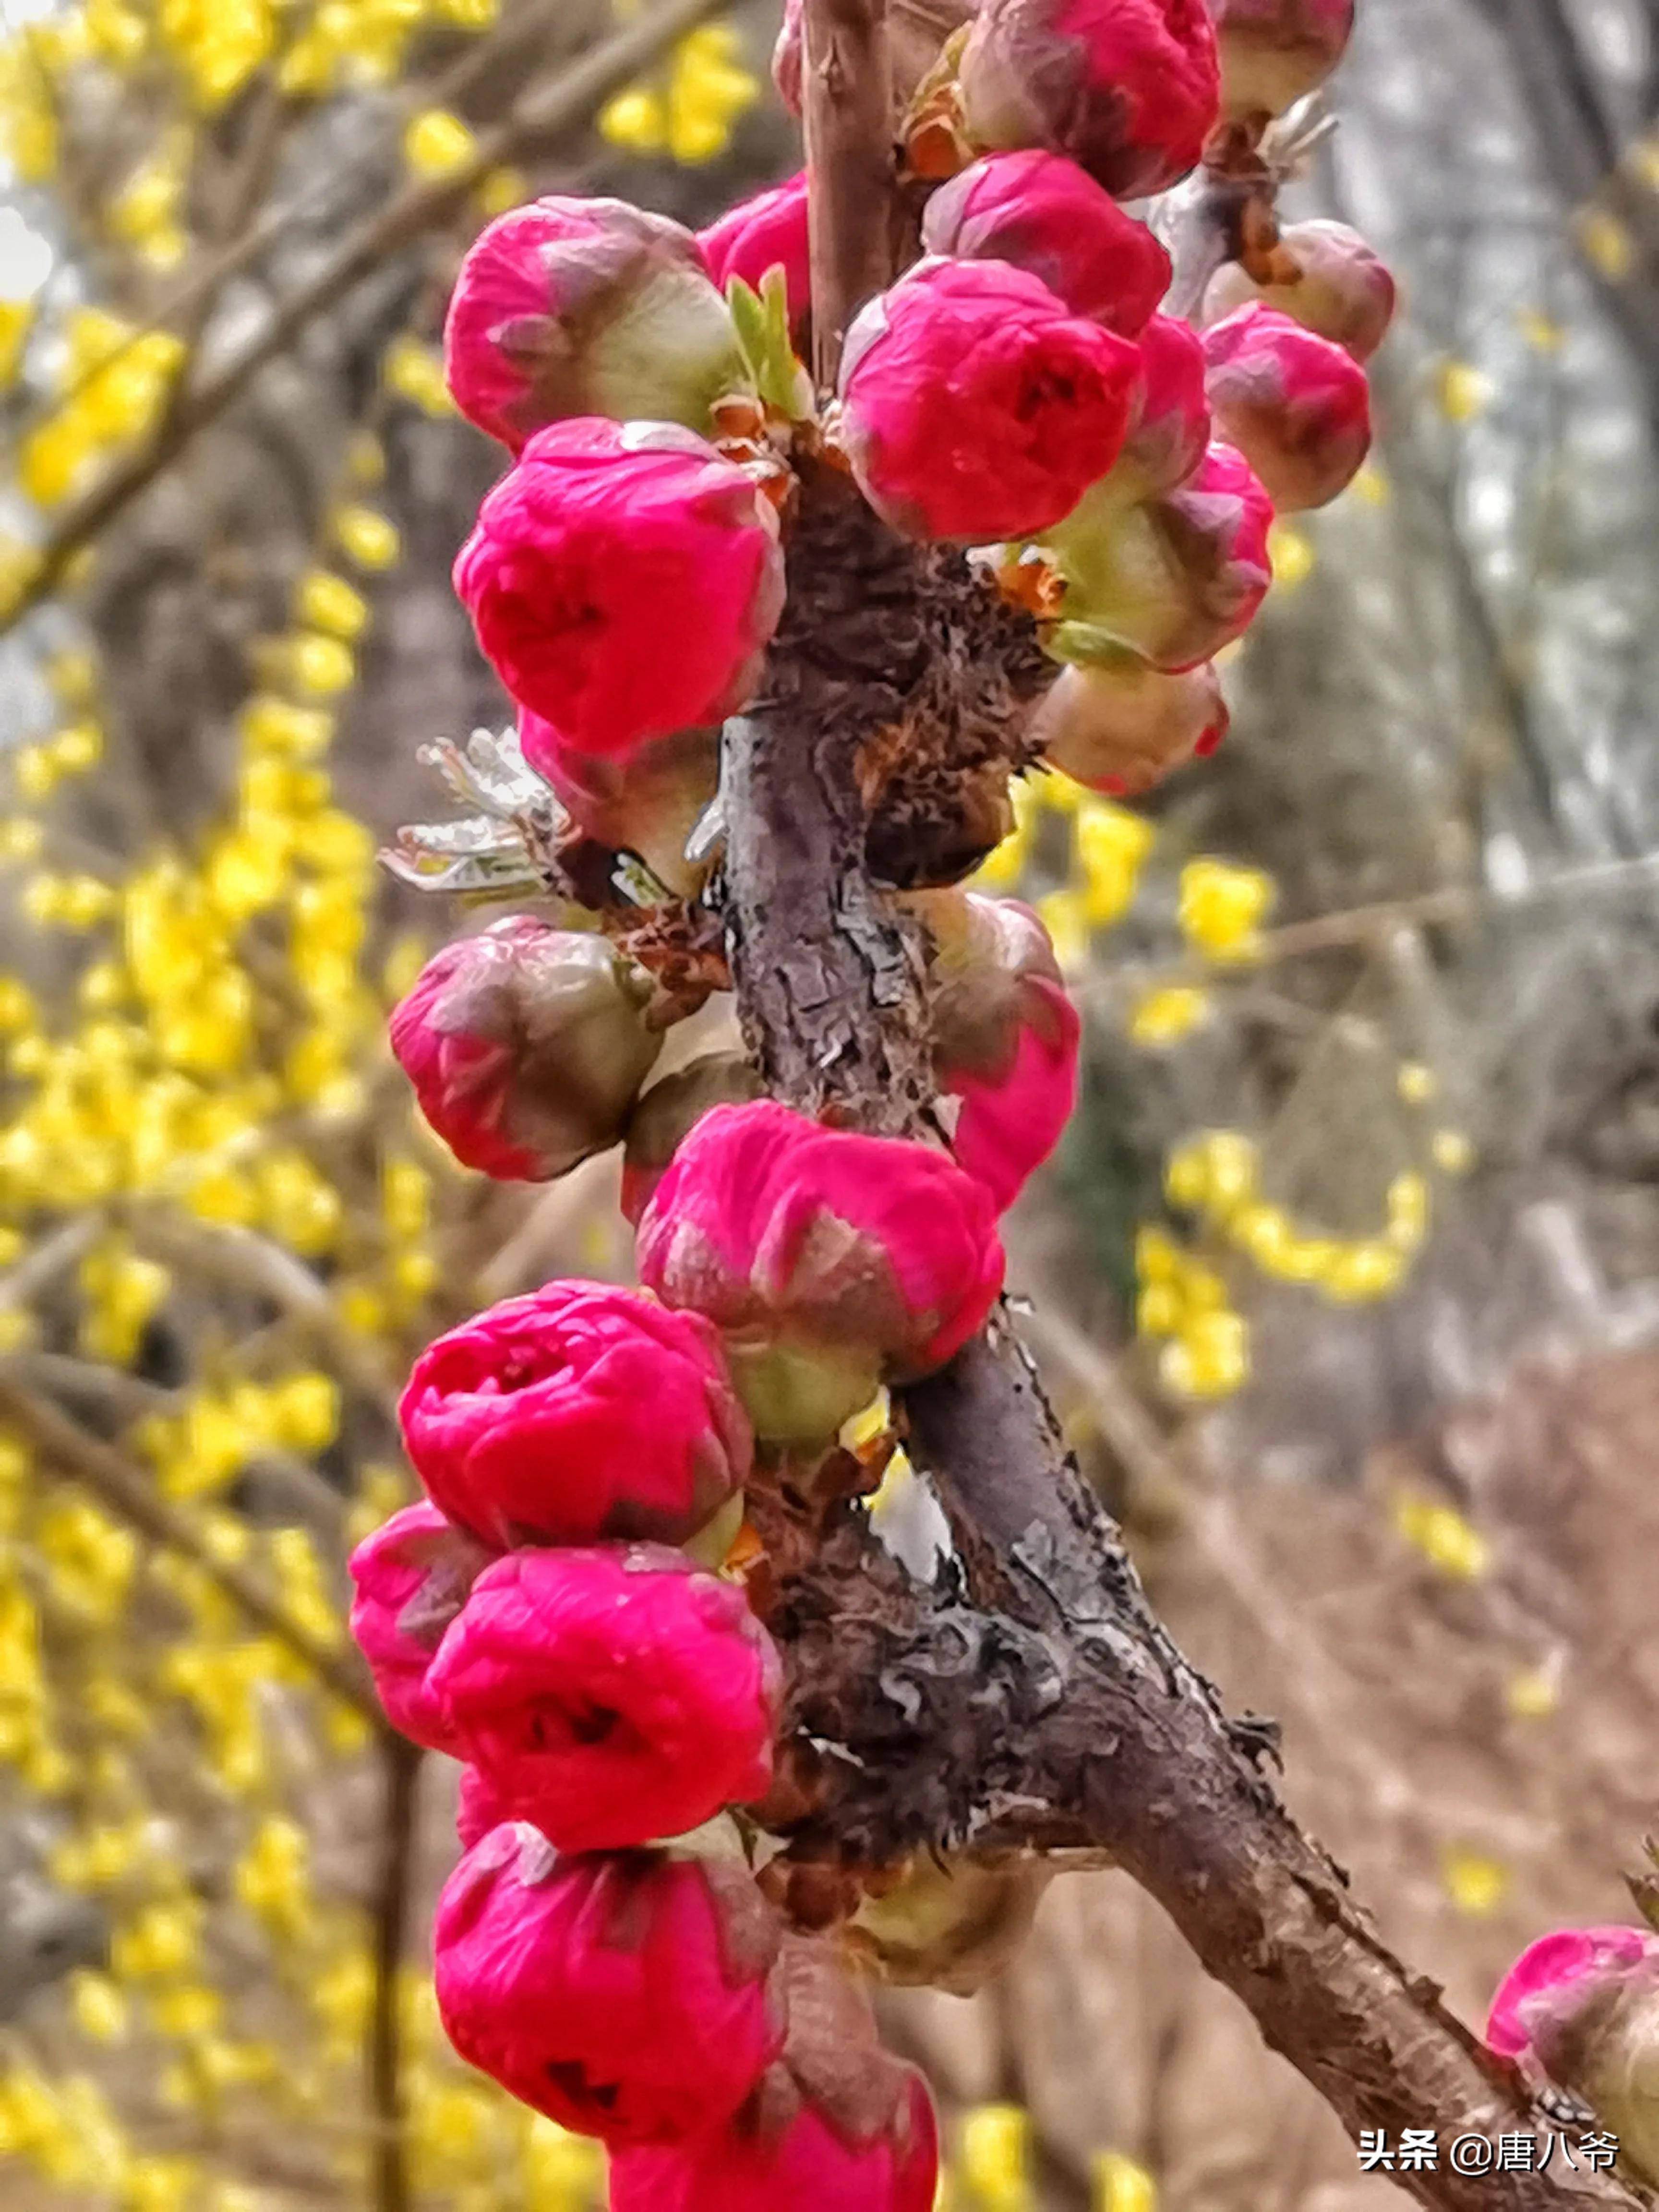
(581, 1609)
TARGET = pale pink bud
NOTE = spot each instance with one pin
(1274, 52)
(580, 1411)
(624, 580)
(1046, 216)
(1173, 580)
(410, 1580)
(832, 1260)
(1121, 726)
(1296, 405)
(836, 2124)
(668, 1113)
(527, 1046)
(568, 307)
(645, 801)
(626, 1995)
(970, 397)
(1004, 1037)
(611, 1696)
(1341, 289)
(766, 232)
(1130, 89)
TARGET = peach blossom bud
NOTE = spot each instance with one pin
(1580, 2008)
(668, 1113)
(1296, 405)
(1121, 726)
(1274, 52)
(1342, 291)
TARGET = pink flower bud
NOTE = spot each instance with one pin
(1121, 726)
(648, 802)
(766, 232)
(1129, 88)
(526, 1047)
(1296, 405)
(1004, 1037)
(1173, 580)
(1170, 426)
(1580, 2008)
(610, 1696)
(570, 306)
(1341, 288)
(625, 1997)
(1046, 216)
(623, 581)
(670, 1110)
(1274, 52)
(410, 1578)
(836, 2124)
(832, 1260)
(580, 1412)
(973, 404)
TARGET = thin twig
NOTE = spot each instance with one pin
(847, 116)
(126, 1487)
(400, 1762)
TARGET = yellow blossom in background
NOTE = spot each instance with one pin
(1606, 243)
(16, 320)
(1223, 907)
(437, 144)
(1163, 1017)
(1291, 553)
(1444, 1537)
(1533, 1695)
(688, 111)
(414, 373)
(993, 2158)
(1452, 1152)
(1476, 1884)
(1462, 391)
(1110, 845)
(1123, 2185)
(1415, 1083)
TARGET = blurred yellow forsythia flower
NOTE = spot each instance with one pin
(689, 113)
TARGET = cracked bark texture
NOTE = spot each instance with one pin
(1030, 1698)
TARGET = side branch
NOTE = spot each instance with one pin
(847, 113)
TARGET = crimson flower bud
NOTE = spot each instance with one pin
(527, 1046)
(1296, 405)
(1005, 1037)
(969, 396)
(1580, 2008)
(647, 801)
(836, 2124)
(1120, 725)
(623, 581)
(1173, 580)
(1274, 52)
(568, 307)
(670, 1110)
(578, 1411)
(1169, 425)
(1339, 288)
(766, 232)
(1044, 214)
(611, 1696)
(626, 1995)
(410, 1579)
(832, 1260)
(1130, 89)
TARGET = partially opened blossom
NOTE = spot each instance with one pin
(625, 1996)
(670, 1110)
(527, 1046)
(836, 2124)
(1295, 404)
(1580, 2008)
(1046, 216)
(1120, 724)
(568, 307)
(623, 580)
(1173, 580)
(409, 1579)
(766, 232)
(580, 1411)
(1274, 52)
(976, 406)
(1332, 282)
(611, 1696)
(832, 1260)
(647, 801)
(1004, 1037)
(1130, 89)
